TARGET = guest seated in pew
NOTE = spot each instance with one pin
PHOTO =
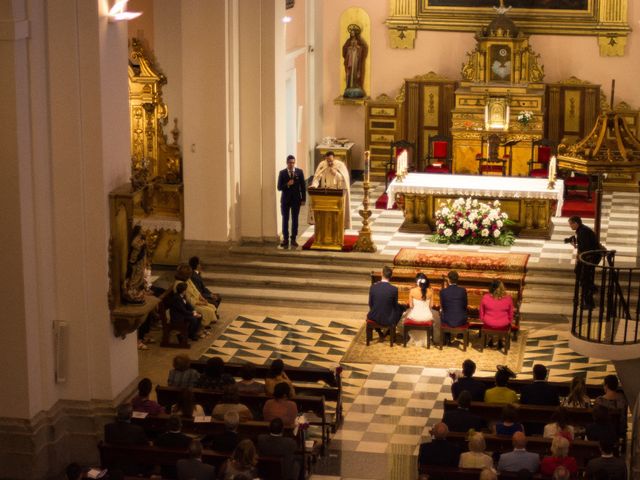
(243, 461)
(280, 406)
(181, 312)
(561, 473)
(123, 432)
(193, 468)
(496, 308)
(476, 457)
(172, 438)
(488, 474)
(194, 297)
(248, 384)
(519, 458)
(275, 444)
(229, 439)
(141, 402)
(614, 399)
(467, 382)
(453, 303)
(509, 424)
(577, 397)
(439, 451)
(230, 402)
(181, 375)
(559, 426)
(501, 393)
(213, 298)
(277, 375)
(540, 392)
(186, 407)
(606, 466)
(214, 377)
(461, 419)
(559, 457)
(602, 429)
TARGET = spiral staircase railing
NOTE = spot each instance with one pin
(606, 301)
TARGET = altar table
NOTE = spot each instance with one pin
(527, 201)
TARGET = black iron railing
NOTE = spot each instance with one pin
(606, 300)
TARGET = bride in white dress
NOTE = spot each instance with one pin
(420, 308)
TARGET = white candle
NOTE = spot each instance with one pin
(552, 169)
(367, 166)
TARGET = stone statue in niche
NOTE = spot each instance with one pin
(354, 53)
(134, 286)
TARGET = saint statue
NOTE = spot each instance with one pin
(332, 173)
(354, 52)
(134, 286)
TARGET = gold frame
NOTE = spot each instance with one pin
(605, 19)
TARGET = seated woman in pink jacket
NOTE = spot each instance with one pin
(496, 308)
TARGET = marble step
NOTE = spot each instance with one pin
(283, 280)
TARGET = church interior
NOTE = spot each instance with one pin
(134, 143)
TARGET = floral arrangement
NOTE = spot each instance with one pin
(472, 222)
(525, 116)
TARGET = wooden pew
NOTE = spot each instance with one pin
(492, 412)
(332, 392)
(563, 388)
(168, 396)
(582, 450)
(269, 468)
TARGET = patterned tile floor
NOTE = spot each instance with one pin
(389, 409)
(620, 213)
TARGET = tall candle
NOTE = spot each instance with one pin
(552, 168)
(367, 166)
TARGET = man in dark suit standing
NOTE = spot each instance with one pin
(383, 302)
(291, 183)
(193, 468)
(585, 240)
(453, 303)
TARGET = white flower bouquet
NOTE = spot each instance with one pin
(466, 220)
(525, 116)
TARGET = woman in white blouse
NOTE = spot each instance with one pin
(475, 457)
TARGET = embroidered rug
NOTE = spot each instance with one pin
(449, 357)
(461, 260)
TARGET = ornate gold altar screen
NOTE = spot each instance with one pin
(328, 211)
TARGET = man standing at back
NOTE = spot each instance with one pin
(291, 183)
(383, 302)
(453, 303)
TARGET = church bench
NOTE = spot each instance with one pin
(331, 392)
(563, 388)
(168, 396)
(582, 450)
(269, 468)
(492, 412)
(437, 472)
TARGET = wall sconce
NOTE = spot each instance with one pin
(118, 13)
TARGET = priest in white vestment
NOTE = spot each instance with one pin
(333, 173)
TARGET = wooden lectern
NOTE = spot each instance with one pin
(328, 213)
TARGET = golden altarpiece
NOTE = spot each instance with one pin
(153, 199)
(501, 78)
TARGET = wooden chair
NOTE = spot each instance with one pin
(541, 152)
(439, 155)
(410, 324)
(395, 149)
(577, 185)
(182, 329)
(389, 329)
(462, 329)
(492, 164)
(496, 334)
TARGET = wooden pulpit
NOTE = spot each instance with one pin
(328, 213)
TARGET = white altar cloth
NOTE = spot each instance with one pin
(476, 185)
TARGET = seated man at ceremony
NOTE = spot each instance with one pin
(383, 302)
(181, 311)
(172, 438)
(540, 392)
(606, 465)
(602, 428)
(461, 419)
(194, 297)
(333, 174)
(213, 298)
(230, 402)
(123, 432)
(228, 440)
(194, 467)
(439, 451)
(275, 444)
(519, 459)
(142, 403)
(614, 399)
(453, 303)
(468, 383)
(496, 307)
(501, 393)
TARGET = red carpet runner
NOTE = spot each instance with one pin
(349, 242)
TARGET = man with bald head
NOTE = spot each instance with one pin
(519, 459)
(439, 451)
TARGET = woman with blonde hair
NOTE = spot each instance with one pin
(488, 474)
(577, 397)
(475, 457)
(194, 297)
(559, 457)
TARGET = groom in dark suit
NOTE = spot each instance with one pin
(383, 302)
(453, 303)
(291, 183)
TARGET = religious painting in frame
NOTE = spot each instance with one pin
(500, 64)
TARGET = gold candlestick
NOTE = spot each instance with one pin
(365, 243)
